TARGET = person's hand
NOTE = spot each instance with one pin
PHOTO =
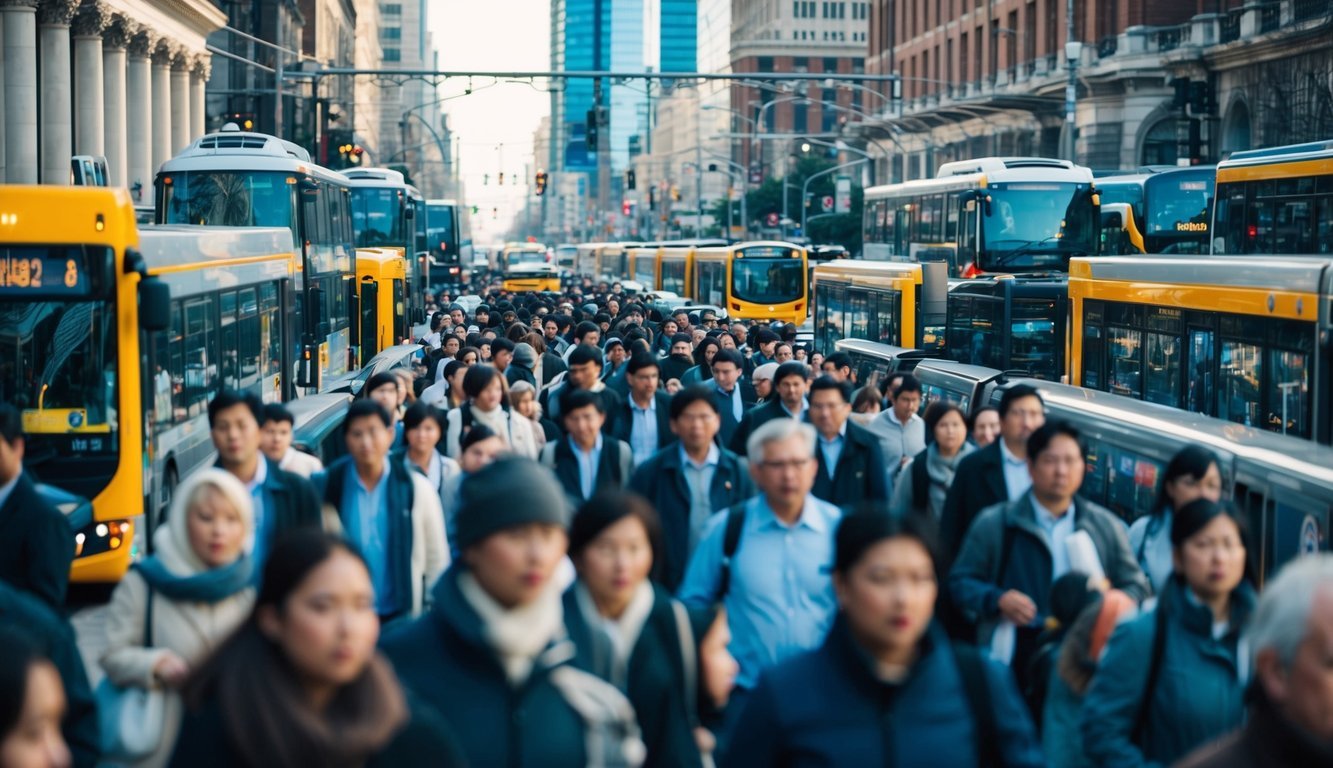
(171, 670)
(1017, 608)
(903, 461)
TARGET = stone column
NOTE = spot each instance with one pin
(180, 100)
(57, 146)
(20, 88)
(199, 74)
(161, 115)
(89, 101)
(139, 117)
(115, 39)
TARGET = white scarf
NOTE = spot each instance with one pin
(517, 635)
(497, 420)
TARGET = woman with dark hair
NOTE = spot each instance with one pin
(629, 631)
(923, 484)
(447, 390)
(478, 448)
(423, 428)
(1174, 677)
(1192, 474)
(703, 362)
(886, 688)
(300, 683)
(32, 704)
(487, 403)
(867, 402)
(468, 355)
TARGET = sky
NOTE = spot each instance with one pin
(494, 124)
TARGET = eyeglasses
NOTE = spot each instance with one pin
(792, 464)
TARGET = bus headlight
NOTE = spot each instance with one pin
(97, 538)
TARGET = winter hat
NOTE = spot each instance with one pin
(764, 372)
(509, 492)
(525, 355)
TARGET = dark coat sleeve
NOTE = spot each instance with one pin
(202, 741)
(956, 516)
(426, 741)
(305, 502)
(80, 724)
(878, 482)
(757, 737)
(49, 551)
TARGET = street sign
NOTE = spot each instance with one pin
(843, 187)
(826, 203)
(756, 174)
(771, 220)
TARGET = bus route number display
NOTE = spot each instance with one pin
(767, 252)
(26, 271)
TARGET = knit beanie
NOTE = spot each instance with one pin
(525, 355)
(510, 492)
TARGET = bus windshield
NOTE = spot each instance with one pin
(1037, 225)
(767, 281)
(377, 217)
(60, 356)
(230, 199)
(440, 230)
(515, 258)
(1179, 207)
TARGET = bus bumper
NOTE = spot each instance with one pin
(109, 548)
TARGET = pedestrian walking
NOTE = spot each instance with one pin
(486, 404)
(1015, 551)
(1289, 723)
(985, 426)
(32, 705)
(885, 687)
(282, 501)
(790, 385)
(392, 514)
(174, 608)
(493, 647)
(423, 429)
(1193, 473)
(644, 421)
(734, 394)
(996, 473)
(27, 621)
(900, 429)
(851, 467)
(300, 684)
(38, 547)
(688, 481)
(1174, 678)
(630, 632)
(923, 484)
(585, 461)
(766, 560)
(276, 442)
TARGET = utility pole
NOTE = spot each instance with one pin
(1073, 51)
(603, 161)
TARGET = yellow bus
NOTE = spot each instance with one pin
(1275, 201)
(532, 278)
(112, 342)
(516, 254)
(1242, 339)
(641, 263)
(880, 301)
(381, 291)
(759, 280)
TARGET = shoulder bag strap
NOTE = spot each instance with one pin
(1154, 672)
(972, 668)
(731, 541)
(689, 661)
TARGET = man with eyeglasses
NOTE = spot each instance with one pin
(767, 560)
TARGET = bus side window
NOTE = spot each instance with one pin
(967, 238)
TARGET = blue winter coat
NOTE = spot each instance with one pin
(1198, 694)
(828, 708)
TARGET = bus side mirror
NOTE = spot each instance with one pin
(410, 212)
(316, 305)
(309, 188)
(154, 304)
(307, 369)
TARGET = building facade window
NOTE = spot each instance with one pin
(393, 54)
(391, 33)
(392, 9)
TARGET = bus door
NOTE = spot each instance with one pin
(969, 235)
(369, 320)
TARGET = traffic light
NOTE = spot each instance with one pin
(675, 194)
(541, 182)
(1201, 98)
(495, 213)
(485, 179)
(629, 179)
(502, 178)
(626, 208)
(591, 130)
(652, 198)
(474, 210)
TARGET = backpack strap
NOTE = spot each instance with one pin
(972, 669)
(689, 662)
(921, 482)
(148, 617)
(1154, 672)
(731, 541)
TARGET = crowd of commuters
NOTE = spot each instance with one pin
(588, 533)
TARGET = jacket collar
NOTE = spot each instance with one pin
(1196, 617)
(454, 615)
(861, 668)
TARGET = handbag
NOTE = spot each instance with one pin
(131, 720)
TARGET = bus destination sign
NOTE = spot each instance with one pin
(29, 271)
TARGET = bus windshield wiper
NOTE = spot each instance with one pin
(1006, 258)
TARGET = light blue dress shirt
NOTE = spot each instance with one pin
(832, 450)
(263, 520)
(737, 405)
(1017, 478)
(781, 599)
(643, 430)
(1058, 531)
(699, 479)
(587, 465)
(367, 515)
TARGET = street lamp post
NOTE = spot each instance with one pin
(1073, 51)
(806, 186)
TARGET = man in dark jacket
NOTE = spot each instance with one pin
(993, 474)
(283, 500)
(851, 462)
(644, 422)
(681, 358)
(38, 544)
(20, 611)
(688, 481)
(733, 394)
(788, 401)
(585, 461)
(585, 372)
(521, 367)
(1014, 551)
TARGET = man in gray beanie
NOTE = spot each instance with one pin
(509, 492)
(523, 365)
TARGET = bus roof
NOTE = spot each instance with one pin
(242, 151)
(966, 174)
(52, 214)
(1278, 154)
(376, 176)
(1294, 273)
(439, 201)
